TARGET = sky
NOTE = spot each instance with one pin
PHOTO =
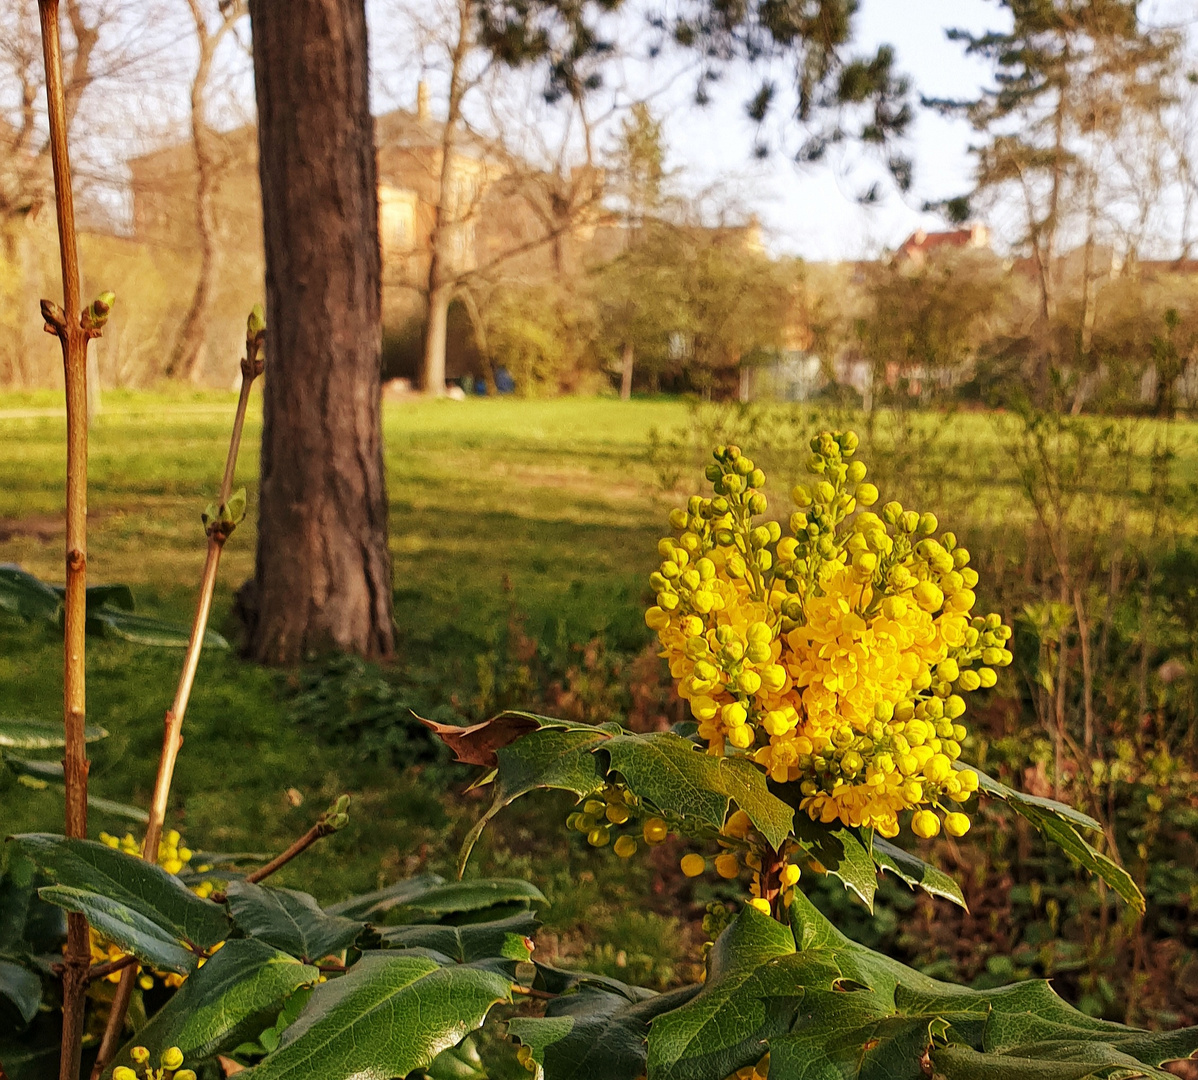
(812, 211)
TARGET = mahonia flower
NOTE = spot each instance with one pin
(174, 857)
(170, 1066)
(834, 653)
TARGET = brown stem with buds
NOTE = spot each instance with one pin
(320, 829)
(65, 324)
(172, 735)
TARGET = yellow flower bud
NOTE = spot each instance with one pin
(969, 680)
(867, 494)
(140, 1055)
(727, 865)
(987, 677)
(749, 682)
(733, 714)
(172, 1058)
(624, 847)
(760, 904)
(790, 875)
(773, 677)
(956, 824)
(655, 831)
(925, 824)
(928, 596)
(616, 814)
(741, 737)
(693, 865)
(123, 1072)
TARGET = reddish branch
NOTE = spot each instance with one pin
(172, 735)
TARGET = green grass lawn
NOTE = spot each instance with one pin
(549, 507)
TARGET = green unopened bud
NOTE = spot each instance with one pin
(97, 312)
(757, 503)
(256, 323)
(233, 512)
(928, 524)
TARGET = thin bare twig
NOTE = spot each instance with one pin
(320, 829)
(102, 971)
(172, 736)
(65, 323)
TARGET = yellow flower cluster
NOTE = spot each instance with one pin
(170, 1066)
(174, 857)
(834, 653)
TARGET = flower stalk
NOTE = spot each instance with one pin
(220, 519)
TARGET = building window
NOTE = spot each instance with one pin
(397, 220)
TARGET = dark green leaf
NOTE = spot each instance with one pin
(232, 998)
(146, 630)
(22, 987)
(113, 596)
(860, 1035)
(595, 1032)
(21, 734)
(389, 1015)
(507, 938)
(130, 929)
(915, 872)
(755, 980)
(1045, 1061)
(995, 790)
(146, 889)
(51, 771)
(289, 920)
(395, 895)
(460, 1062)
(1069, 840)
(680, 778)
(552, 757)
(477, 894)
(839, 851)
(23, 595)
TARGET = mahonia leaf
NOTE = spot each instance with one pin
(915, 872)
(232, 998)
(1059, 824)
(26, 596)
(839, 851)
(393, 895)
(21, 734)
(595, 1031)
(670, 772)
(558, 756)
(755, 981)
(509, 938)
(87, 867)
(289, 920)
(678, 777)
(389, 1015)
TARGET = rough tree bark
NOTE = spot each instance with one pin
(323, 578)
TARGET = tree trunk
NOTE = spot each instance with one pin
(435, 337)
(626, 362)
(323, 575)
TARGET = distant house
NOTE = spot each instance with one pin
(922, 245)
